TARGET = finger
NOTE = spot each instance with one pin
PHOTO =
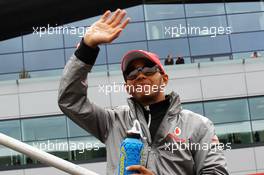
(119, 18)
(110, 20)
(139, 168)
(114, 35)
(124, 24)
(105, 16)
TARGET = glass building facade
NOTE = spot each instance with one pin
(197, 31)
(200, 32)
(57, 135)
(237, 121)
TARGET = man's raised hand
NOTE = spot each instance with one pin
(106, 29)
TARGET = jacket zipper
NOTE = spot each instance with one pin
(149, 149)
(149, 115)
(149, 122)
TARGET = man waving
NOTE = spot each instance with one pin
(175, 138)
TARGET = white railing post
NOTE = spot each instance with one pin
(43, 156)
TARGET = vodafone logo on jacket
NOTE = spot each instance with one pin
(175, 135)
(177, 131)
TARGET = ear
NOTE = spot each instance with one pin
(165, 79)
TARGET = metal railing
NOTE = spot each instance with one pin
(43, 156)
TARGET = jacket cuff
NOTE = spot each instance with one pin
(87, 54)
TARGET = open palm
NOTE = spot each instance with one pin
(106, 29)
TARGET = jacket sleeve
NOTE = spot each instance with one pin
(209, 158)
(72, 96)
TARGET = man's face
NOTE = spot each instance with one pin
(146, 87)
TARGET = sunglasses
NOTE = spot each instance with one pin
(148, 71)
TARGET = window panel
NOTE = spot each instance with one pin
(256, 107)
(171, 46)
(11, 128)
(208, 58)
(133, 32)
(11, 63)
(4, 77)
(163, 11)
(117, 51)
(68, 53)
(208, 26)
(54, 127)
(203, 9)
(99, 69)
(258, 130)
(201, 59)
(195, 107)
(248, 55)
(221, 58)
(166, 29)
(45, 73)
(227, 110)
(243, 55)
(247, 41)
(115, 68)
(46, 41)
(11, 45)
(8, 157)
(83, 22)
(234, 133)
(135, 13)
(209, 45)
(72, 39)
(44, 60)
(74, 130)
(240, 7)
(246, 22)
